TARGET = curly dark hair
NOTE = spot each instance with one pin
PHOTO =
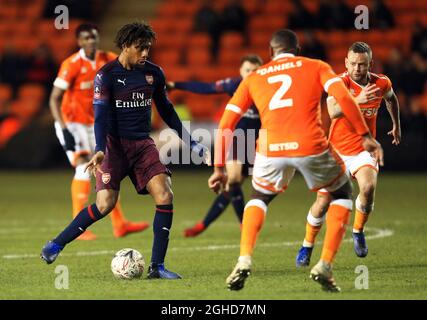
(136, 33)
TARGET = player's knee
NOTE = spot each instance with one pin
(365, 206)
(164, 197)
(367, 189)
(321, 205)
(105, 205)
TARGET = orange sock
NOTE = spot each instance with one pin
(80, 190)
(253, 219)
(360, 220)
(312, 228)
(336, 222)
(310, 234)
(117, 218)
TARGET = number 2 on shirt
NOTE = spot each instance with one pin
(276, 101)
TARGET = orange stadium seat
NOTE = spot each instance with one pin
(189, 8)
(33, 92)
(277, 7)
(8, 128)
(25, 44)
(253, 6)
(5, 27)
(170, 41)
(170, 9)
(182, 25)
(230, 57)
(25, 110)
(199, 56)
(268, 23)
(338, 53)
(231, 41)
(33, 10)
(208, 73)
(10, 11)
(199, 40)
(161, 25)
(202, 107)
(167, 58)
(381, 52)
(176, 73)
(22, 28)
(46, 29)
(311, 5)
(407, 19)
(260, 38)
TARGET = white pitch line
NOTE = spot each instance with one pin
(378, 233)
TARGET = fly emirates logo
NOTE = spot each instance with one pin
(136, 102)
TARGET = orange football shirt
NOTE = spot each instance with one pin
(341, 134)
(287, 92)
(76, 77)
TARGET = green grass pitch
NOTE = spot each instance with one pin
(35, 206)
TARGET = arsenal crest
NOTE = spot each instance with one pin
(149, 78)
(106, 177)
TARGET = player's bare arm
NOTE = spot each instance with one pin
(334, 108)
(392, 104)
(55, 101)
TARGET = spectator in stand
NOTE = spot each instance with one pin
(235, 18)
(335, 14)
(416, 71)
(12, 67)
(41, 67)
(394, 68)
(301, 18)
(312, 47)
(209, 21)
(381, 16)
(419, 40)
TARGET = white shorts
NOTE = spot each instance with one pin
(272, 175)
(84, 137)
(354, 163)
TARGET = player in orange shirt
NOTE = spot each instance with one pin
(287, 92)
(368, 89)
(71, 106)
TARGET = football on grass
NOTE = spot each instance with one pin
(128, 264)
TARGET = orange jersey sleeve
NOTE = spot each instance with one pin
(236, 107)
(68, 72)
